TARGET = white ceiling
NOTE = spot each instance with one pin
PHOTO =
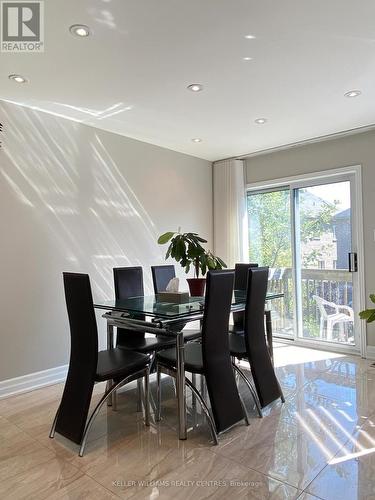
(143, 54)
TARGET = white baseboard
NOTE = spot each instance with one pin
(32, 381)
(370, 352)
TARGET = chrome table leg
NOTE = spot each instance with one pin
(181, 388)
(158, 393)
(147, 396)
(193, 396)
(110, 334)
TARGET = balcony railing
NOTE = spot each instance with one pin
(331, 285)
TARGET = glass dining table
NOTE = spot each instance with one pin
(165, 318)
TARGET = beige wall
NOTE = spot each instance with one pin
(358, 149)
(74, 198)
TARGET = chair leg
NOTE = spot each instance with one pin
(114, 400)
(153, 362)
(205, 409)
(246, 416)
(236, 376)
(174, 386)
(52, 432)
(147, 396)
(203, 388)
(193, 398)
(108, 394)
(329, 329)
(282, 397)
(251, 388)
(107, 387)
(158, 394)
(341, 331)
(321, 332)
(139, 395)
(281, 392)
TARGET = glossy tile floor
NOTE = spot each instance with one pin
(319, 444)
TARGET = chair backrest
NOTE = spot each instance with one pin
(322, 304)
(221, 384)
(128, 283)
(241, 272)
(161, 276)
(82, 321)
(75, 402)
(240, 283)
(265, 380)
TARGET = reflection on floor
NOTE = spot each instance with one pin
(320, 443)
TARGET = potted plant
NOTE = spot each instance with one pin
(369, 314)
(187, 250)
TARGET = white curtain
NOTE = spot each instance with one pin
(230, 222)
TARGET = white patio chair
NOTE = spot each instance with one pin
(341, 315)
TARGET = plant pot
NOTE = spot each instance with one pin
(196, 286)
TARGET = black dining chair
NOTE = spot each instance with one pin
(128, 283)
(240, 283)
(161, 276)
(210, 359)
(252, 345)
(88, 366)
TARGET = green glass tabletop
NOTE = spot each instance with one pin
(148, 305)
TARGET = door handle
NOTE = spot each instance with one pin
(353, 262)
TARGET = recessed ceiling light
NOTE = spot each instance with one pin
(17, 78)
(80, 30)
(247, 58)
(195, 87)
(260, 121)
(249, 37)
(197, 139)
(353, 93)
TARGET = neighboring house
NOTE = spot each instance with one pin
(330, 250)
(341, 229)
(319, 252)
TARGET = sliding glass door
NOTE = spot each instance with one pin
(271, 245)
(304, 233)
(324, 242)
